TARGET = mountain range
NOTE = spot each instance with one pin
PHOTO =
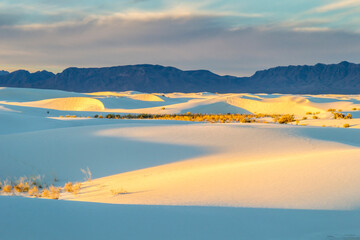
(342, 78)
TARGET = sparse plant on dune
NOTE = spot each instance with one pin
(54, 192)
(45, 193)
(22, 187)
(34, 191)
(348, 116)
(51, 193)
(338, 115)
(72, 188)
(30, 187)
(87, 173)
(286, 119)
(118, 191)
(37, 181)
(198, 117)
(346, 125)
(7, 188)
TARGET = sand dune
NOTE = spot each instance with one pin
(259, 171)
(280, 105)
(68, 104)
(147, 97)
(247, 167)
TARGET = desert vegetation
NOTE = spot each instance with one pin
(34, 187)
(212, 118)
(339, 115)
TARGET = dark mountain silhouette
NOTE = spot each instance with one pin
(334, 78)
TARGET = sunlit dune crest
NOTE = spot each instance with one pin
(68, 104)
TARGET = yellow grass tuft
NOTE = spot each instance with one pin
(34, 191)
(7, 188)
(72, 188)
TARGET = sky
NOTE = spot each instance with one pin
(235, 37)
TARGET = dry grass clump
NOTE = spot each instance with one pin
(31, 187)
(72, 188)
(22, 187)
(51, 193)
(45, 193)
(34, 191)
(7, 188)
(87, 173)
(338, 115)
(346, 125)
(286, 119)
(118, 191)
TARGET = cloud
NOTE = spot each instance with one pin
(338, 5)
(185, 41)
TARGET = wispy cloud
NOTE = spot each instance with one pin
(186, 42)
(337, 5)
(226, 36)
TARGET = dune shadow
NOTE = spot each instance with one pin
(340, 135)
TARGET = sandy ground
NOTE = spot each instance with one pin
(208, 175)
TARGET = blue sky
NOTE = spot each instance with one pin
(228, 37)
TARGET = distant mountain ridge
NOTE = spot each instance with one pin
(342, 78)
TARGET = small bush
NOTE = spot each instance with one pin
(45, 193)
(338, 116)
(7, 188)
(348, 116)
(68, 187)
(22, 186)
(346, 125)
(315, 117)
(54, 192)
(34, 191)
(331, 110)
(72, 188)
(286, 119)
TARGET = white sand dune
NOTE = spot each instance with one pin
(281, 105)
(247, 167)
(147, 97)
(258, 171)
(68, 104)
